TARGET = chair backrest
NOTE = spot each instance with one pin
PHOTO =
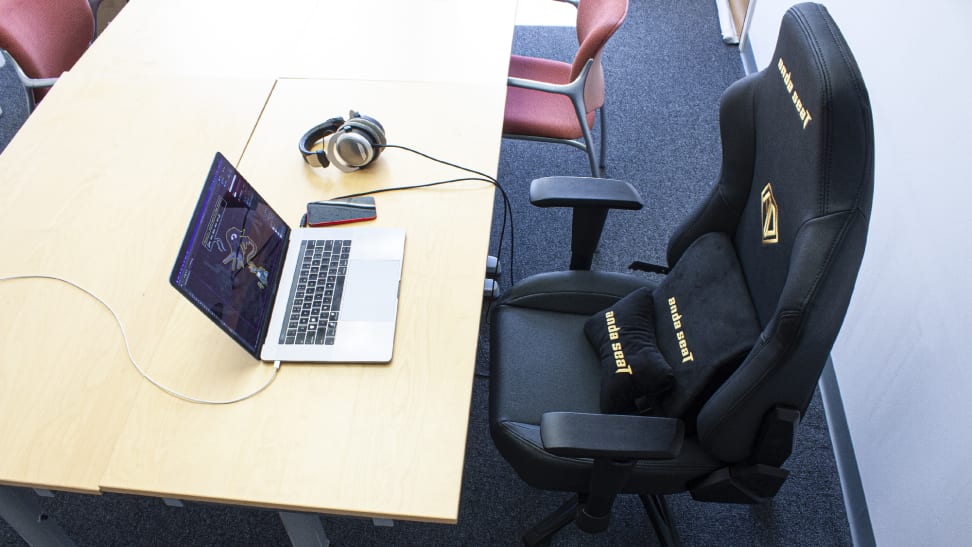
(794, 195)
(45, 37)
(597, 21)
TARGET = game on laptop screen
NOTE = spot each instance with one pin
(231, 256)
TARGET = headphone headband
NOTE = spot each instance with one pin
(315, 135)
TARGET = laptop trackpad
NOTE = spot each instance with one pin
(371, 290)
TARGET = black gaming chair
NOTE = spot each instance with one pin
(606, 383)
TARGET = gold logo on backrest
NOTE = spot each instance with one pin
(770, 213)
(801, 109)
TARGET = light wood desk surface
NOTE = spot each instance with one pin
(99, 186)
(426, 40)
(377, 440)
(93, 186)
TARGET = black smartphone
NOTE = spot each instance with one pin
(341, 211)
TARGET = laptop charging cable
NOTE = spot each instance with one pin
(131, 357)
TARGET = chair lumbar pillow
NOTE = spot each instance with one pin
(705, 323)
(634, 374)
(664, 352)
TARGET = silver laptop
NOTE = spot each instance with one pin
(308, 294)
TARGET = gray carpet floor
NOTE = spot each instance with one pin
(666, 69)
(14, 102)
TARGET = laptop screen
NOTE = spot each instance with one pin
(231, 256)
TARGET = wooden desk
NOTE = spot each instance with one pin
(425, 40)
(375, 440)
(100, 184)
(94, 184)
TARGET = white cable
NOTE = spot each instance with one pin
(128, 348)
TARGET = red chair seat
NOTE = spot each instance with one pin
(531, 112)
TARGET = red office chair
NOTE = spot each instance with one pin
(553, 101)
(45, 37)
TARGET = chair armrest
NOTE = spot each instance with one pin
(571, 88)
(26, 80)
(611, 436)
(574, 89)
(591, 199)
(584, 192)
(38, 82)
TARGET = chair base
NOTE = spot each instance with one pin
(655, 505)
(543, 531)
(661, 519)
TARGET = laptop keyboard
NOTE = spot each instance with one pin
(314, 305)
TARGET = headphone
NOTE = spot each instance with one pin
(350, 145)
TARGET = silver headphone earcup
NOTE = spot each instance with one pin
(357, 143)
(350, 150)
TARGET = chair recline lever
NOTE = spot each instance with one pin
(639, 266)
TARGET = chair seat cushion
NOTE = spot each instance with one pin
(540, 361)
(705, 323)
(634, 374)
(538, 113)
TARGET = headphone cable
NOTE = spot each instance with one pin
(483, 177)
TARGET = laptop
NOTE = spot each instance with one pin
(306, 294)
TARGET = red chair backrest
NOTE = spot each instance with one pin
(597, 21)
(45, 37)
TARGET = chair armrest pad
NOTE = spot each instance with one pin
(547, 87)
(584, 192)
(29, 82)
(613, 436)
(32, 83)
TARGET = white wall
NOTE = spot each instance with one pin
(903, 359)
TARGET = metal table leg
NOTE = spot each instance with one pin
(304, 529)
(19, 507)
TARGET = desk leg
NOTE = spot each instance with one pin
(304, 529)
(20, 509)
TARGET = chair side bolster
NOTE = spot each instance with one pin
(611, 436)
(584, 192)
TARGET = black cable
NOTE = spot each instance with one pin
(443, 162)
(507, 211)
(483, 177)
(436, 183)
(507, 207)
